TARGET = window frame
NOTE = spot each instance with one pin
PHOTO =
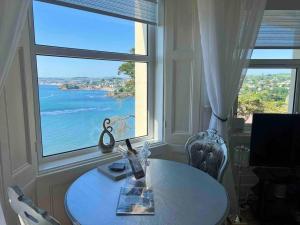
(276, 64)
(56, 51)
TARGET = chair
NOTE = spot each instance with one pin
(27, 212)
(2, 219)
(207, 152)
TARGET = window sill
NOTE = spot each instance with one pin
(74, 161)
(240, 128)
(95, 156)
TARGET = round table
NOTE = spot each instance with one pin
(183, 195)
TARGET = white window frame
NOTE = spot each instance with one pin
(150, 58)
(276, 64)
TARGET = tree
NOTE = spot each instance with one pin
(121, 123)
(264, 93)
(128, 69)
(248, 104)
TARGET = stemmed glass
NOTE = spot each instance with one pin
(241, 160)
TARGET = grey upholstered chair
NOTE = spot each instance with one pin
(207, 152)
(27, 212)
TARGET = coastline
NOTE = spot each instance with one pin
(86, 88)
(111, 92)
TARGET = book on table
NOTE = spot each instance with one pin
(113, 174)
(135, 201)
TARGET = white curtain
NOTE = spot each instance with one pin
(228, 30)
(12, 19)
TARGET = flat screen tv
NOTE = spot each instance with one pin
(275, 140)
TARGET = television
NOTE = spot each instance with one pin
(275, 140)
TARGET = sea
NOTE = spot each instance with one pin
(72, 119)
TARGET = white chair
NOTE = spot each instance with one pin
(2, 219)
(207, 152)
(27, 212)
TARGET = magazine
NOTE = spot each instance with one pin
(135, 201)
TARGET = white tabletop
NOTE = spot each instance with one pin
(183, 195)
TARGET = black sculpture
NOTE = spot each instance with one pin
(106, 148)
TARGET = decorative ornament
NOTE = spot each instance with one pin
(106, 148)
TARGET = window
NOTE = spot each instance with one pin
(91, 66)
(266, 90)
(271, 84)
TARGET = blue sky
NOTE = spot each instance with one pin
(65, 27)
(270, 54)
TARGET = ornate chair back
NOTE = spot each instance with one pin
(27, 212)
(207, 151)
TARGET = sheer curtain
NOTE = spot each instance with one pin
(228, 31)
(12, 18)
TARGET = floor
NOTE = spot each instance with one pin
(247, 218)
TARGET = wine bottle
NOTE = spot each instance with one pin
(134, 162)
(129, 147)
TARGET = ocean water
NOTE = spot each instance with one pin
(72, 119)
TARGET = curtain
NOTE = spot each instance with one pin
(12, 19)
(228, 30)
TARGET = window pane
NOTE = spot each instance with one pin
(276, 54)
(77, 94)
(66, 27)
(266, 91)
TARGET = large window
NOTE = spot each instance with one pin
(272, 81)
(90, 67)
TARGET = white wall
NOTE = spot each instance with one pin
(182, 71)
(17, 128)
